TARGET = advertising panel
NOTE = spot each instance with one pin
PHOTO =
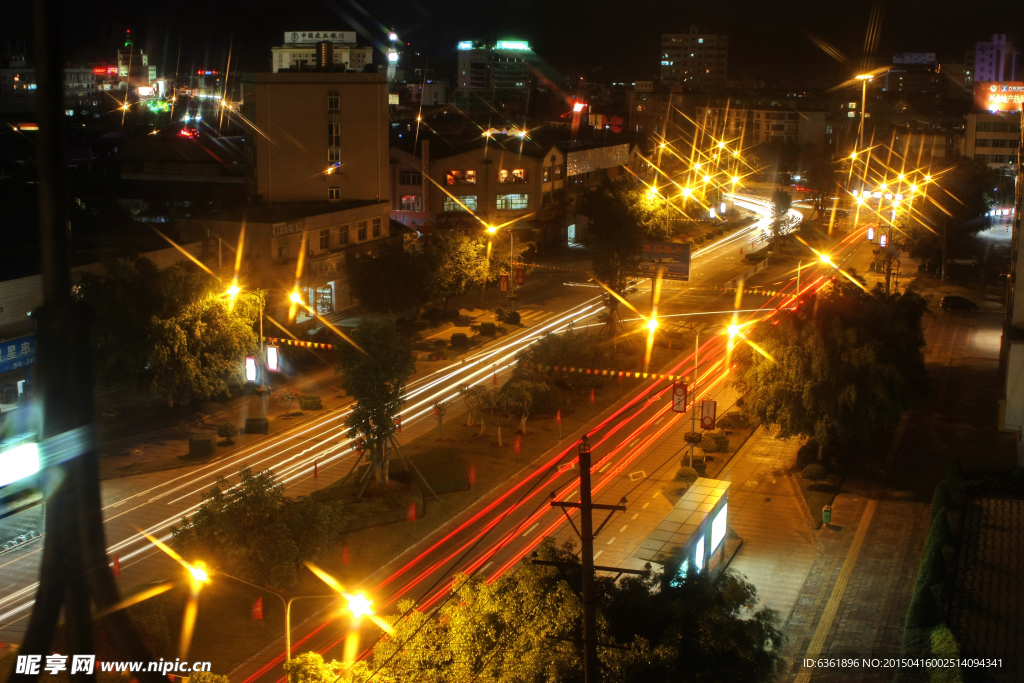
(313, 37)
(1004, 96)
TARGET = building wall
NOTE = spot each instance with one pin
(353, 58)
(698, 61)
(995, 60)
(992, 138)
(292, 157)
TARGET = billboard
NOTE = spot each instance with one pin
(676, 263)
(999, 96)
(313, 37)
(923, 58)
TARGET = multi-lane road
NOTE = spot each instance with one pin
(490, 540)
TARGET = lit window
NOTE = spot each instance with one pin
(512, 202)
(334, 193)
(516, 175)
(547, 174)
(461, 178)
(469, 200)
(412, 202)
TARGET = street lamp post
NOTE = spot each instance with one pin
(286, 603)
(863, 78)
(693, 413)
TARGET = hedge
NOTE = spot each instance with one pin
(202, 447)
(257, 425)
(310, 402)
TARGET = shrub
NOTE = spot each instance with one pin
(726, 422)
(460, 340)
(692, 437)
(227, 431)
(433, 314)
(698, 240)
(546, 401)
(940, 499)
(488, 329)
(310, 402)
(512, 318)
(709, 444)
(710, 235)
(439, 344)
(814, 472)
(257, 425)
(737, 419)
(701, 467)
(687, 474)
(202, 447)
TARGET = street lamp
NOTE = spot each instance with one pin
(863, 78)
(287, 604)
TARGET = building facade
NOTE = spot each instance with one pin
(311, 48)
(753, 126)
(695, 60)
(502, 66)
(995, 60)
(993, 138)
(317, 136)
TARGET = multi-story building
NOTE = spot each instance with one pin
(502, 66)
(501, 178)
(318, 183)
(993, 137)
(18, 88)
(754, 125)
(695, 60)
(133, 69)
(994, 60)
(328, 49)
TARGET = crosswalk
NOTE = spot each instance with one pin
(533, 315)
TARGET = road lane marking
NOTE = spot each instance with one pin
(610, 540)
(646, 504)
(605, 466)
(623, 528)
(598, 554)
(484, 568)
(637, 514)
(527, 533)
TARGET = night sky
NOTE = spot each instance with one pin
(598, 39)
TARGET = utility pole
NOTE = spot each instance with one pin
(693, 413)
(591, 664)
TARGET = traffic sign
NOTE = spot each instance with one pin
(708, 410)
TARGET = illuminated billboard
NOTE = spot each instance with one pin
(307, 37)
(1002, 96)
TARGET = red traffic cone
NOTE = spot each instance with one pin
(472, 475)
(591, 395)
(517, 444)
(411, 514)
(344, 555)
(116, 566)
(558, 417)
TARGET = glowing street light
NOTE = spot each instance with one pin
(295, 297)
(863, 78)
(826, 259)
(733, 329)
(652, 324)
(233, 290)
(359, 605)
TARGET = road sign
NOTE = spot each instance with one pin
(503, 281)
(679, 397)
(672, 259)
(707, 414)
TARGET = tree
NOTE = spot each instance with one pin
(173, 332)
(391, 281)
(619, 219)
(568, 349)
(823, 179)
(841, 369)
(227, 431)
(519, 397)
(455, 263)
(201, 340)
(526, 626)
(782, 202)
(375, 377)
(502, 254)
(288, 396)
(124, 300)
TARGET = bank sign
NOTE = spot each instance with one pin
(307, 37)
(1001, 96)
(17, 353)
(671, 258)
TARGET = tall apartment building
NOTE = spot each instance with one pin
(502, 66)
(318, 185)
(994, 60)
(754, 125)
(339, 48)
(133, 67)
(695, 60)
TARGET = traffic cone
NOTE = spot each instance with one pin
(344, 555)
(517, 444)
(472, 475)
(411, 514)
(591, 395)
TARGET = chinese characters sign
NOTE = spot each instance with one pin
(1005, 96)
(299, 37)
(673, 260)
(17, 353)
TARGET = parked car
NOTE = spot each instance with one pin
(957, 303)
(970, 261)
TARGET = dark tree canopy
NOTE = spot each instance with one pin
(527, 625)
(392, 280)
(454, 264)
(782, 202)
(842, 368)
